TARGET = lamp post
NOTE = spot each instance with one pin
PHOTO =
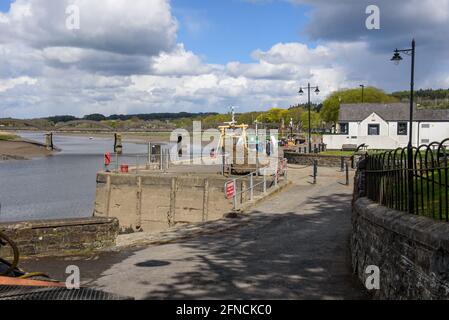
(363, 92)
(396, 59)
(301, 92)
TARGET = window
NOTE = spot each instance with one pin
(402, 128)
(344, 128)
(425, 126)
(373, 129)
(425, 141)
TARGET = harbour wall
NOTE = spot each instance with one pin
(60, 237)
(155, 202)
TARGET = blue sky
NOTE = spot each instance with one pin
(223, 31)
(4, 5)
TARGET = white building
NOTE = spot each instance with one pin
(386, 126)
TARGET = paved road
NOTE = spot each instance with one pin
(295, 246)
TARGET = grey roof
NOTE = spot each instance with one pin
(390, 112)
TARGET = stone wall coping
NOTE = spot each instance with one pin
(426, 231)
(54, 223)
(316, 155)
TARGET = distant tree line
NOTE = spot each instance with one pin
(423, 93)
(143, 116)
(323, 115)
(427, 98)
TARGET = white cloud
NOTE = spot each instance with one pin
(7, 84)
(145, 27)
(180, 62)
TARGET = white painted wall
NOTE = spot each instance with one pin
(437, 131)
(388, 137)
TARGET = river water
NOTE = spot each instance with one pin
(59, 186)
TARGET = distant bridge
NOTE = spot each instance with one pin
(70, 126)
(62, 125)
(17, 124)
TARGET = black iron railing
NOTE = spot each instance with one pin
(387, 180)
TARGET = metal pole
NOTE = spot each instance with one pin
(363, 93)
(149, 153)
(251, 187)
(347, 174)
(257, 148)
(234, 199)
(162, 160)
(276, 174)
(410, 143)
(223, 160)
(310, 124)
(264, 180)
(285, 170)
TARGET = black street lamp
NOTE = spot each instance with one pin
(396, 59)
(301, 92)
(363, 92)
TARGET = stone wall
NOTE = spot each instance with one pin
(60, 237)
(412, 252)
(306, 159)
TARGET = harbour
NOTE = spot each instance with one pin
(57, 186)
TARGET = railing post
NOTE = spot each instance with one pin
(276, 175)
(315, 170)
(347, 174)
(234, 198)
(342, 164)
(161, 159)
(251, 187)
(264, 180)
(285, 170)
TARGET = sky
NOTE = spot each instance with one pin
(145, 56)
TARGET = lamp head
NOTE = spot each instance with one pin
(317, 91)
(396, 57)
(301, 92)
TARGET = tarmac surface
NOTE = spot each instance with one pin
(294, 245)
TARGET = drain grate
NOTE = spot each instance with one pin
(44, 293)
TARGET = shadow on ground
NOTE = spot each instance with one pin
(288, 256)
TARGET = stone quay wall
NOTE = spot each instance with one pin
(156, 202)
(307, 159)
(60, 237)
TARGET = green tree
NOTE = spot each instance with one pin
(331, 106)
(274, 115)
(315, 119)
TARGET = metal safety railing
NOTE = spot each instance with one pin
(246, 188)
(420, 187)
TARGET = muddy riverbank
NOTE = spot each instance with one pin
(16, 148)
